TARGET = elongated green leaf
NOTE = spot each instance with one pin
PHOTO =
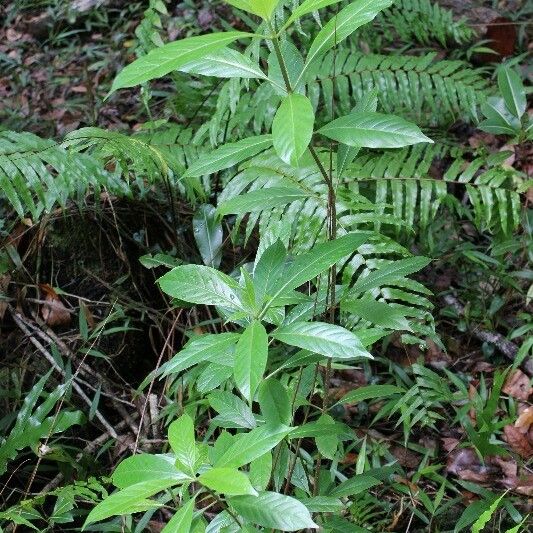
(229, 481)
(481, 522)
(512, 90)
(292, 127)
(309, 265)
(346, 154)
(354, 486)
(261, 200)
(225, 63)
(378, 313)
(308, 6)
(182, 520)
(229, 155)
(250, 446)
(374, 130)
(251, 356)
(314, 429)
(183, 443)
(208, 235)
(232, 411)
(343, 24)
(172, 56)
(260, 471)
(144, 467)
(132, 499)
(327, 444)
(212, 348)
(326, 339)
(370, 392)
(273, 510)
(267, 270)
(499, 119)
(261, 8)
(274, 402)
(389, 274)
(201, 285)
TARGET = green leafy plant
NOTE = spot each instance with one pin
(268, 314)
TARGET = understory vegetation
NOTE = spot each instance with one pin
(265, 265)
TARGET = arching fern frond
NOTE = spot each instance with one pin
(399, 182)
(36, 174)
(426, 22)
(144, 159)
(433, 93)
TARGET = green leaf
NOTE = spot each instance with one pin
(323, 504)
(261, 8)
(309, 265)
(512, 91)
(378, 313)
(470, 514)
(260, 471)
(228, 155)
(481, 522)
(327, 444)
(261, 199)
(132, 499)
(273, 510)
(228, 481)
(267, 270)
(250, 446)
(232, 411)
(225, 63)
(213, 348)
(370, 392)
(308, 6)
(314, 429)
(274, 402)
(354, 486)
(344, 24)
(201, 285)
(144, 467)
(251, 356)
(207, 232)
(182, 520)
(390, 273)
(499, 121)
(183, 443)
(374, 130)
(294, 63)
(292, 127)
(164, 59)
(319, 337)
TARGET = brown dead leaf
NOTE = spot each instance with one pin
(525, 420)
(54, 311)
(517, 385)
(465, 464)
(525, 485)
(405, 457)
(449, 443)
(518, 442)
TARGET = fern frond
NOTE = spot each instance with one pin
(401, 180)
(426, 22)
(36, 174)
(433, 93)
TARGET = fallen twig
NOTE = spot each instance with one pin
(505, 346)
(22, 326)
